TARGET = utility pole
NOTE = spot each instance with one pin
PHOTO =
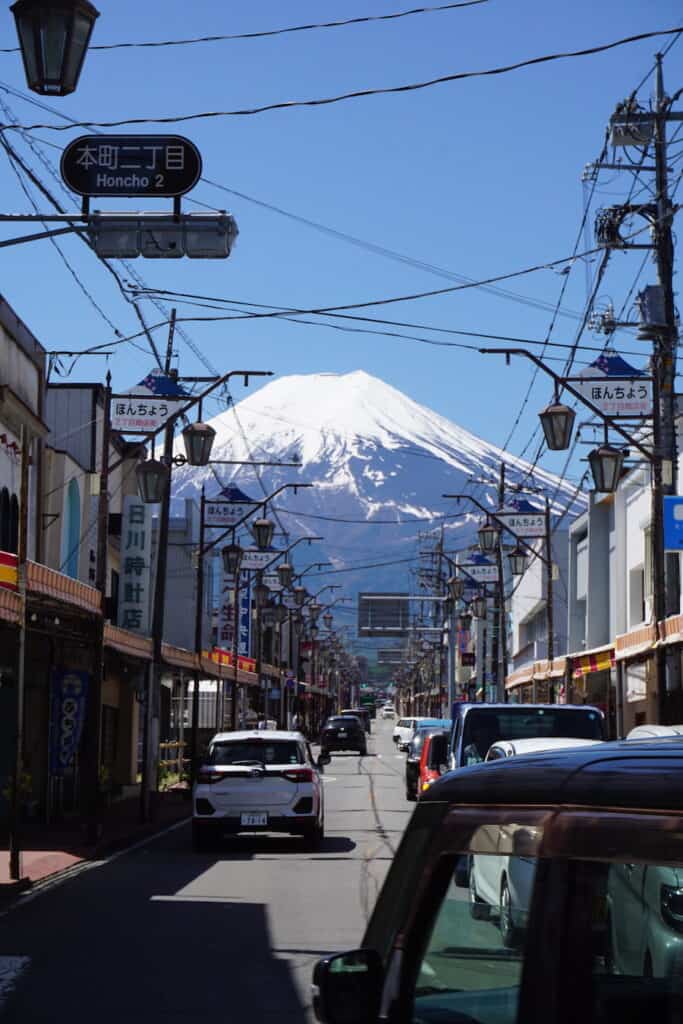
(549, 609)
(198, 620)
(15, 795)
(502, 661)
(152, 707)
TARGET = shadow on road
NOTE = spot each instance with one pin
(248, 846)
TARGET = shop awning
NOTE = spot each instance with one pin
(637, 642)
(10, 607)
(55, 585)
(126, 642)
(671, 630)
(600, 659)
(179, 657)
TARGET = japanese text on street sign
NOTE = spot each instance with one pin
(272, 581)
(481, 572)
(131, 165)
(617, 396)
(523, 524)
(136, 559)
(254, 558)
(142, 414)
(226, 513)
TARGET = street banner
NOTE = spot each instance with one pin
(615, 387)
(67, 715)
(254, 558)
(136, 565)
(522, 518)
(149, 405)
(226, 612)
(244, 637)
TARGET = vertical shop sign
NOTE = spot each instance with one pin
(69, 693)
(136, 564)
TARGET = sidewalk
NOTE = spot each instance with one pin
(50, 849)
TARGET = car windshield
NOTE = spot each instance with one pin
(342, 720)
(418, 742)
(245, 752)
(486, 726)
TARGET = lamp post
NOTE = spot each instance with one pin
(54, 36)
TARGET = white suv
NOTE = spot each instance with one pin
(258, 781)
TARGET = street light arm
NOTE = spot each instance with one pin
(286, 551)
(561, 382)
(313, 565)
(501, 526)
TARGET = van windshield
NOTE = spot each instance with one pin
(485, 726)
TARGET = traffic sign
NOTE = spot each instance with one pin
(131, 165)
(673, 523)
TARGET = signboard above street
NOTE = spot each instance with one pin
(149, 405)
(131, 165)
(615, 387)
(254, 558)
(523, 519)
(226, 513)
(383, 614)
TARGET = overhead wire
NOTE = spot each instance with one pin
(355, 94)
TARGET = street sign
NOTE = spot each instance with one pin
(673, 523)
(384, 614)
(522, 518)
(483, 572)
(615, 387)
(149, 405)
(131, 165)
(226, 513)
(254, 558)
(272, 581)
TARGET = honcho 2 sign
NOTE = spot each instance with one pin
(131, 165)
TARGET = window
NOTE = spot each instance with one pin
(486, 727)
(71, 534)
(255, 752)
(472, 965)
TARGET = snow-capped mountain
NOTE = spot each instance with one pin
(380, 462)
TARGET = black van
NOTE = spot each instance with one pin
(586, 849)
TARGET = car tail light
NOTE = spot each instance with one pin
(208, 777)
(298, 775)
(671, 902)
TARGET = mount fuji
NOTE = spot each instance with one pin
(380, 463)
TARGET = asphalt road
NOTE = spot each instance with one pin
(161, 934)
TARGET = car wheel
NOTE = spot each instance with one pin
(313, 837)
(203, 839)
(479, 910)
(509, 933)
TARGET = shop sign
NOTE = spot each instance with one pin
(615, 387)
(244, 638)
(226, 613)
(9, 571)
(673, 523)
(483, 572)
(149, 405)
(68, 707)
(136, 564)
(272, 581)
(226, 513)
(254, 558)
(523, 524)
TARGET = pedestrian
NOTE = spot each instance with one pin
(296, 722)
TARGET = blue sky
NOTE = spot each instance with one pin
(479, 177)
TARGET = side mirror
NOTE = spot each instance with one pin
(347, 988)
(324, 759)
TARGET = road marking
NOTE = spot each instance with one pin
(330, 778)
(11, 967)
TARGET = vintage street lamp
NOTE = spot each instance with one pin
(54, 36)
(518, 561)
(606, 464)
(263, 530)
(152, 479)
(464, 621)
(280, 613)
(285, 573)
(300, 595)
(557, 421)
(314, 610)
(268, 615)
(261, 595)
(298, 625)
(479, 607)
(232, 558)
(198, 439)
(488, 538)
(313, 630)
(456, 587)
(327, 620)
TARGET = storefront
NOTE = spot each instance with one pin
(593, 680)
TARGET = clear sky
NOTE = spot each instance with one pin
(478, 177)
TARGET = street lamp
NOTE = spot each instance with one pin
(456, 587)
(198, 439)
(327, 620)
(314, 610)
(557, 421)
(261, 595)
(152, 479)
(285, 573)
(518, 561)
(314, 631)
(300, 595)
(232, 558)
(606, 464)
(298, 625)
(263, 530)
(479, 607)
(464, 621)
(54, 37)
(280, 613)
(488, 538)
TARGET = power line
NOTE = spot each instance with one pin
(356, 94)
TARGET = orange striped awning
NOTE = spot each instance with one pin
(596, 661)
(9, 571)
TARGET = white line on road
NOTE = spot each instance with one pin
(11, 967)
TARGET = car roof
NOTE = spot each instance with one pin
(257, 734)
(434, 723)
(643, 731)
(464, 708)
(534, 744)
(626, 773)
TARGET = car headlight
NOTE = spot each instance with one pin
(671, 904)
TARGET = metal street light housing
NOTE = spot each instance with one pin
(488, 538)
(518, 561)
(261, 595)
(300, 595)
(314, 610)
(606, 464)
(327, 620)
(479, 607)
(285, 573)
(557, 421)
(232, 558)
(54, 36)
(298, 625)
(456, 587)
(263, 530)
(198, 439)
(152, 479)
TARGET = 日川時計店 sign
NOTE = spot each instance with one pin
(131, 165)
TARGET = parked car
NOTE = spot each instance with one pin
(581, 819)
(423, 731)
(363, 714)
(404, 729)
(433, 760)
(343, 732)
(476, 727)
(258, 781)
(645, 732)
(535, 745)
(388, 711)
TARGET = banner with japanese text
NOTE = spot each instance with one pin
(67, 715)
(136, 566)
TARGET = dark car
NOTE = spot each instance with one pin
(587, 924)
(343, 732)
(415, 753)
(363, 714)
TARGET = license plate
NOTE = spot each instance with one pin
(342, 732)
(254, 819)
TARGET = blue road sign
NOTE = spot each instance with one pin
(673, 523)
